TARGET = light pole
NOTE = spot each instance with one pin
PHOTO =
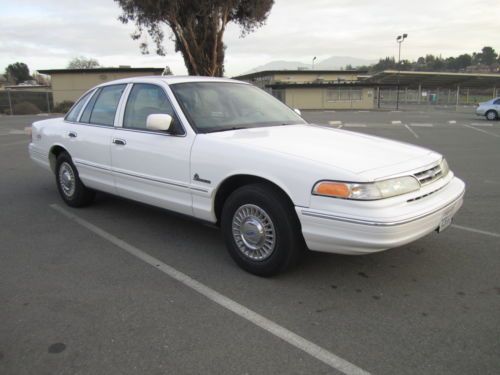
(400, 40)
(314, 58)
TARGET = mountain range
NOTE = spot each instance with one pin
(331, 63)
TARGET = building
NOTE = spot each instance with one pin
(355, 89)
(316, 89)
(70, 84)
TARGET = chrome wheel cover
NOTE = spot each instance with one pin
(67, 179)
(253, 232)
(491, 115)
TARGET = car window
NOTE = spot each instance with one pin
(75, 110)
(220, 106)
(144, 100)
(104, 106)
(496, 101)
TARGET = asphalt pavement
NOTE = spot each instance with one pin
(124, 288)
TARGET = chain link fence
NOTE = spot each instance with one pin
(25, 102)
(433, 97)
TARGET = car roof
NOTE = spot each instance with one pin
(170, 80)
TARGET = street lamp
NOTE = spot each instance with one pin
(400, 40)
(314, 58)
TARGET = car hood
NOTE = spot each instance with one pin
(354, 152)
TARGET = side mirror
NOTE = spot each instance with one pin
(159, 121)
(297, 111)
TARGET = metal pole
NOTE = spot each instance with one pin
(399, 71)
(467, 100)
(419, 93)
(378, 97)
(48, 103)
(458, 95)
(10, 103)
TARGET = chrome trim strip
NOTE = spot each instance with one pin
(141, 177)
(379, 223)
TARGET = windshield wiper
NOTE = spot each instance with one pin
(216, 130)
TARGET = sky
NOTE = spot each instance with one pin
(47, 34)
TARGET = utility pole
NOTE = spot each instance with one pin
(314, 58)
(400, 40)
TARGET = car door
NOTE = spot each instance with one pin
(89, 137)
(151, 166)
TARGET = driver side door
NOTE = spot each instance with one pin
(152, 166)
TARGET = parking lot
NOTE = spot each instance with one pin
(124, 288)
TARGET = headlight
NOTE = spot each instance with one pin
(445, 169)
(367, 191)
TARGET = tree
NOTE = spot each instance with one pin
(83, 63)
(17, 73)
(197, 27)
(487, 56)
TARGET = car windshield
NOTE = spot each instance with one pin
(221, 106)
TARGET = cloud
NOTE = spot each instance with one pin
(48, 34)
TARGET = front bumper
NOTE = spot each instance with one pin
(330, 232)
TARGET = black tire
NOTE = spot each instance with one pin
(491, 115)
(274, 208)
(73, 193)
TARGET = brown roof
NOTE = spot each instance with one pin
(101, 70)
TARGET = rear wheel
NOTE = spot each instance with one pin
(261, 230)
(70, 187)
(491, 115)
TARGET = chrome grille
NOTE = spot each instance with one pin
(429, 175)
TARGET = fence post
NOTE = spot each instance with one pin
(48, 103)
(10, 102)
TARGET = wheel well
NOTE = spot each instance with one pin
(54, 152)
(234, 182)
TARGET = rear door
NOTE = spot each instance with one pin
(89, 137)
(152, 166)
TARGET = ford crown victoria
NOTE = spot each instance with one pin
(228, 153)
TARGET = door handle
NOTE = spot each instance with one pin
(119, 142)
(72, 134)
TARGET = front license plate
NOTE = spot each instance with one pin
(445, 222)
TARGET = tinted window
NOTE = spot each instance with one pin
(496, 101)
(85, 117)
(75, 110)
(104, 108)
(144, 100)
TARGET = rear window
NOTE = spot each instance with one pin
(101, 109)
(77, 108)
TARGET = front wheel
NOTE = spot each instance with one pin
(261, 230)
(491, 115)
(70, 187)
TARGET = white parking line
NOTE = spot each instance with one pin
(17, 132)
(412, 131)
(422, 125)
(492, 182)
(355, 125)
(486, 233)
(395, 122)
(25, 142)
(482, 131)
(452, 122)
(275, 329)
(481, 124)
(335, 122)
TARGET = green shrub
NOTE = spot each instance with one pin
(25, 108)
(63, 107)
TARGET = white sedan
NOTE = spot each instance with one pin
(228, 153)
